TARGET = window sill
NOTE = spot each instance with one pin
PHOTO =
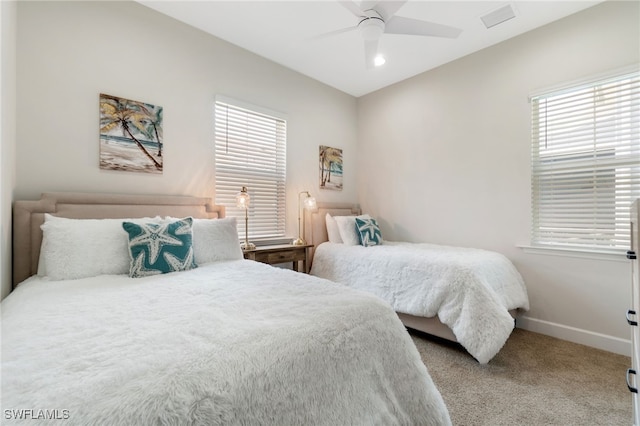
(271, 241)
(583, 254)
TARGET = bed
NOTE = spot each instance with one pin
(223, 341)
(466, 295)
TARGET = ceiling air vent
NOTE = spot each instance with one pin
(498, 16)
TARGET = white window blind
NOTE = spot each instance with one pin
(251, 151)
(586, 164)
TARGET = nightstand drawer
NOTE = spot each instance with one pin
(285, 256)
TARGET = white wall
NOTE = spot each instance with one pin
(69, 52)
(7, 136)
(444, 158)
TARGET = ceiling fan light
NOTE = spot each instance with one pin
(379, 61)
(371, 28)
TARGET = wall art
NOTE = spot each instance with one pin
(130, 135)
(330, 168)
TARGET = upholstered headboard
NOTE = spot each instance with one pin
(315, 227)
(28, 216)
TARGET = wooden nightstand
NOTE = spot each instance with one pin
(280, 253)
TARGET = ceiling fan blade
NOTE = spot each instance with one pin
(352, 7)
(386, 9)
(370, 52)
(332, 33)
(409, 26)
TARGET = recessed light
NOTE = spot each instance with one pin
(379, 61)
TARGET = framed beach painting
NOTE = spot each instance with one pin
(330, 168)
(130, 135)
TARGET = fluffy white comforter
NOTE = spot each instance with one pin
(470, 290)
(229, 343)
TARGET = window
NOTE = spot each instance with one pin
(586, 164)
(251, 151)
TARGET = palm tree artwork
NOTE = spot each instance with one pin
(130, 135)
(330, 168)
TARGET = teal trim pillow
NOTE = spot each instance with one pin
(159, 248)
(368, 232)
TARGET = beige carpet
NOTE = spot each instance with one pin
(534, 380)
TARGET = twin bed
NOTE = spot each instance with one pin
(466, 295)
(224, 341)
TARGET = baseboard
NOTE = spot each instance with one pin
(576, 335)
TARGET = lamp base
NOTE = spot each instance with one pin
(299, 242)
(247, 246)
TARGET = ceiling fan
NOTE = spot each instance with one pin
(378, 17)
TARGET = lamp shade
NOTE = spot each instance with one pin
(243, 199)
(309, 203)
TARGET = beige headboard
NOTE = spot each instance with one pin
(28, 216)
(315, 228)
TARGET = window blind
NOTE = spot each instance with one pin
(586, 164)
(251, 151)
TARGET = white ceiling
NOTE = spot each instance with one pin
(286, 33)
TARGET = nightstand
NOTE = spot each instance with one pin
(280, 253)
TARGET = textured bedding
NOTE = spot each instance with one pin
(470, 290)
(228, 343)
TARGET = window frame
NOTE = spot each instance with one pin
(262, 169)
(601, 162)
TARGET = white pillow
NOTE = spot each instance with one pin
(79, 248)
(348, 230)
(332, 230)
(216, 239)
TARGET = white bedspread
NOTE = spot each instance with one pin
(230, 343)
(471, 290)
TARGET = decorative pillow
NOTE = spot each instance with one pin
(369, 232)
(159, 248)
(347, 229)
(332, 229)
(215, 240)
(80, 248)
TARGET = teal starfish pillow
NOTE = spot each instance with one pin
(159, 248)
(368, 232)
